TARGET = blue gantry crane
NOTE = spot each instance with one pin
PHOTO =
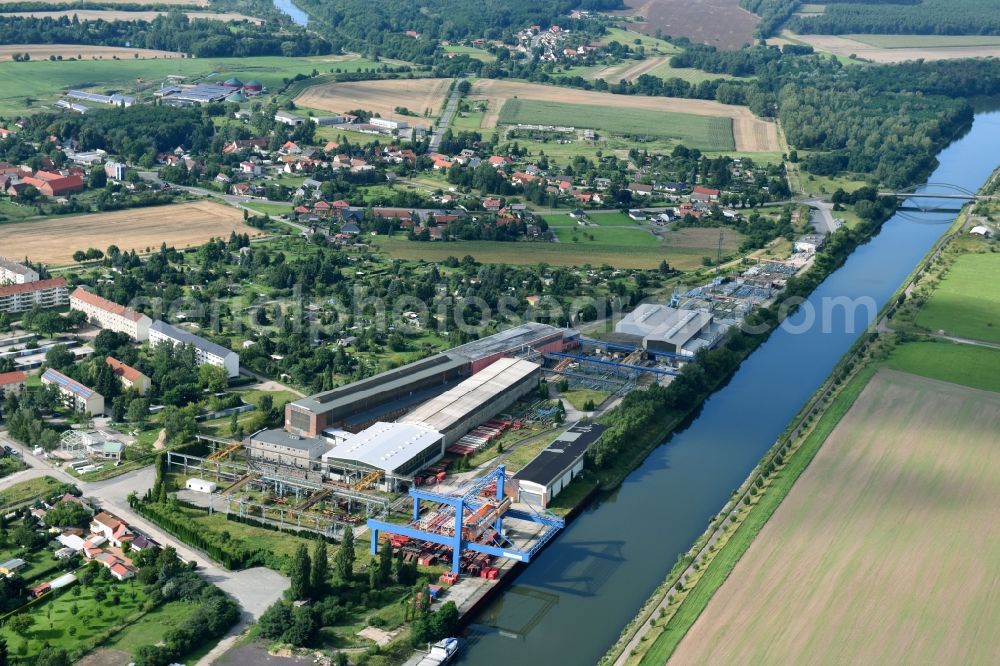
(468, 518)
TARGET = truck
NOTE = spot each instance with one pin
(440, 653)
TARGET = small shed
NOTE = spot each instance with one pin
(201, 486)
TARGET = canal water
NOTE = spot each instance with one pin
(288, 7)
(570, 605)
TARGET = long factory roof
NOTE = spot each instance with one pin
(661, 322)
(456, 405)
(507, 340)
(385, 446)
(372, 386)
(561, 454)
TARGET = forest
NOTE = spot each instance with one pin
(172, 32)
(904, 17)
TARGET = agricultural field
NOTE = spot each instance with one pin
(969, 365)
(966, 303)
(180, 225)
(25, 491)
(43, 81)
(380, 97)
(720, 23)
(81, 52)
(119, 15)
(751, 134)
(703, 132)
(682, 249)
(623, 237)
(852, 567)
(900, 48)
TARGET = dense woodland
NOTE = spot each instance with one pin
(905, 17)
(173, 32)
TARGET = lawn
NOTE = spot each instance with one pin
(57, 625)
(150, 629)
(623, 237)
(690, 74)
(604, 219)
(649, 42)
(967, 302)
(40, 564)
(977, 367)
(878, 554)
(578, 397)
(272, 209)
(31, 489)
(215, 527)
(472, 52)
(556, 254)
(703, 132)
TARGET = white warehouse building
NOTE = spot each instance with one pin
(109, 315)
(477, 399)
(206, 352)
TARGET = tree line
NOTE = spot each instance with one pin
(903, 17)
(171, 32)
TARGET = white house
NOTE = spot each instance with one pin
(108, 314)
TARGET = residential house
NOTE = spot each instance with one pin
(640, 189)
(110, 315)
(12, 383)
(129, 376)
(75, 395)
(206, 352)
(699, 193)
(112, 528)
(42, 293)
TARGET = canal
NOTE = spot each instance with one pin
(570, 605)
(288, 7)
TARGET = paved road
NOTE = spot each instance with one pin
(822, 217)
(449, 113)
(255, 589)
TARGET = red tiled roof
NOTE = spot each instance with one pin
(16, 377)
(124, 371)
(32, 286)
(110, 306)
(697, 189)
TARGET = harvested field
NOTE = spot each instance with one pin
(751, 133)
(885, 549)
(43, 51)
(181, 225)
(846, 46)
(628, 70)
(380, 97)
(114, 15)
(721, 23)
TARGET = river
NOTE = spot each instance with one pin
(288, 7)
(570, 605)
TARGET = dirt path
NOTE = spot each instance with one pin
(630, 70)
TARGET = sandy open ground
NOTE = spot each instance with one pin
(115, 15)
(43, 51)
(629, 70)
(751, 133)
(887, 549)
(843, 46)
(180, 225)
(721, 23)
(380, 97)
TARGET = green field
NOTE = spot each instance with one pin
(272, 209)
(623, 237)
(557, 254)
(703, 132)
(649, 42)
(925, 41)
(150, 629)
(472, 52)
(967, 302)
(969, 365)
(604, 219)
(578, 397)
(43, 80)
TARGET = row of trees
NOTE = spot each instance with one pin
(171, 32)
(904, 17)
